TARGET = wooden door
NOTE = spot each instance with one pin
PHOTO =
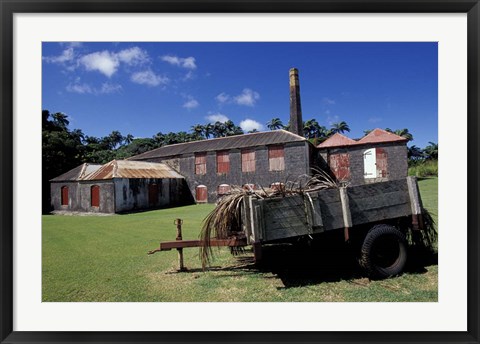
(95, 195)
(381, 157)
(201, 194)
(369, 163)
(152, 194)
(64, 194)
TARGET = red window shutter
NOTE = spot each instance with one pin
(223, 162)
(64, 195)
(201, 163)
(340, 165)
(248, 160)
(276, 158)
(381, 156)
(95, 195)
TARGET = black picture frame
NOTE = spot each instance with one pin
(10, 7)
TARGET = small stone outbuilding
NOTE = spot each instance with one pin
(119, 186)
(377, 157)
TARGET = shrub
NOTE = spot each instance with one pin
(427, 168)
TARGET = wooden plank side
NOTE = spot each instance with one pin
(379, 201)
(314, 216)
(285, 218)
(246, 219)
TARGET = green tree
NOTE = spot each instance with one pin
(275, 124)
(340, 127)
(431, 151)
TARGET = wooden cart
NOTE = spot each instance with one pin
(376, 215)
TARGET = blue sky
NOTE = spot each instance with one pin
(144, 88)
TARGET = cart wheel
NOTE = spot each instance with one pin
(384, 252)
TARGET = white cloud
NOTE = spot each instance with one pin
(148, 78)
(247, 97)
(184, 62)
(222, 98)
(133, 56)
(105, 62)
(250, 124)
(81, 88)
(191, 103)
(328, 101)
(109, 88)
(66, 56)
(218, 117)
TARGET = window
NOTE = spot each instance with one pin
(223, 189)
(248, 160)
(95, 196)
(223, 162)
(64, 195)
(276, 158)
(340, 165)
(201, 163)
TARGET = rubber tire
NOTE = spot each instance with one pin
(390, 238)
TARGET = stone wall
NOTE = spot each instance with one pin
(79, 196)
(298, 157)
(397, 162)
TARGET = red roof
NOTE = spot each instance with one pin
(337, 140)
(380, 135)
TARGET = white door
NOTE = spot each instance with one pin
(370, 163)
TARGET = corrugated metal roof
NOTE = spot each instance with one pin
(238, 141)
(132, 169)
(337, 140)
(77, 173)
(375, 136)
(380, 135)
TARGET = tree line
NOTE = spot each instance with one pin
(64, 149)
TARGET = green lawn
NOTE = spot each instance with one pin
(103, 258)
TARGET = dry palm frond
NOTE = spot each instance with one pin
(225, 221)
(426, 238)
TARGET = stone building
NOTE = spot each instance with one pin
(210, 167)
(378, 156)
(119, 186)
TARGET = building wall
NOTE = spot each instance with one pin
(80, 196)
(297, 163)
(133, 194)
(397, 163)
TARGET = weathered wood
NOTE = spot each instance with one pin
(285, 217)
(415, 203)
(314, 216)
(259, 228)
(331, 209)
(415, 200)
(246, 219)
(179, 244)
(347, 217)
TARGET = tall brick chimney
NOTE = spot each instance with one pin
(296, 122)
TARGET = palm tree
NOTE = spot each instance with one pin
(414, 153)
(198, 130)
(275, 124)
(340, 127)
(311, 128)
(128, 139)
(207, 130)
(431, 151)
